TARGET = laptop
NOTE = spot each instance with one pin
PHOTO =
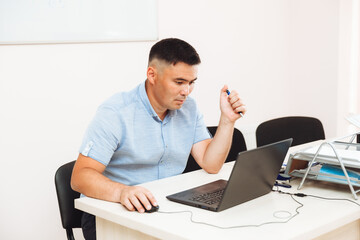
(253, 175)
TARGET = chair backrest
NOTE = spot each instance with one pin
(70, 216)
(301, 129)
(238, 145)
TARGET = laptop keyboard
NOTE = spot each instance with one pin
(209, 198)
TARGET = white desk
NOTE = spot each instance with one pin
(320, 219)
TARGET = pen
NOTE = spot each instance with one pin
(228, 93)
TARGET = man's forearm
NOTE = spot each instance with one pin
(87, 178)
(93, 184)
(218, 149)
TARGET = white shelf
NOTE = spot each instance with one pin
(341, 152)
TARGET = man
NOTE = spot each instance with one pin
(149, 132)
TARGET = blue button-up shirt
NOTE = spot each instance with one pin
(128, 137)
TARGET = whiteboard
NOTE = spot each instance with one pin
(66, 21)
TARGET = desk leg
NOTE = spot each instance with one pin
(107, 230)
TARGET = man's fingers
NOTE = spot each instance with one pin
(138, 198)
(233, 97)
(237, 103)
(144, 201)
(225, 87)
(241, 109)
(126, 203)
(151, 198)
(147, 200)
(136, 203)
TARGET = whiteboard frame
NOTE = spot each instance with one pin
(77, 21)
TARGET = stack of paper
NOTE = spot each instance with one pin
(327, 154)
(330, 173)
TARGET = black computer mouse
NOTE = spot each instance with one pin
(152, 209)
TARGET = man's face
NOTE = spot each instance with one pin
(174, 83)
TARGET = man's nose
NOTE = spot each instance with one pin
(185, 89)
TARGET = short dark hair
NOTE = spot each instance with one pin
(173, 50)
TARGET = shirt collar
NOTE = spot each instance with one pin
(145, 100)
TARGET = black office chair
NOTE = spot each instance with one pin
(70, 217)
(238, 145)
(301, 129)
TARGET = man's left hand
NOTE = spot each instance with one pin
(231, 105)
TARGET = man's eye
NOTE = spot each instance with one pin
(192, 83)
(179, 83)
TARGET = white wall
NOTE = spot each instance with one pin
(279, 55)
(349, 64)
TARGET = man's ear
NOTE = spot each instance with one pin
(151, 74)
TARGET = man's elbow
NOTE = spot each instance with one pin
(213, 170)
(74, 183)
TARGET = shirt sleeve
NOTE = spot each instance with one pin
(102, 136)
(201, 131)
